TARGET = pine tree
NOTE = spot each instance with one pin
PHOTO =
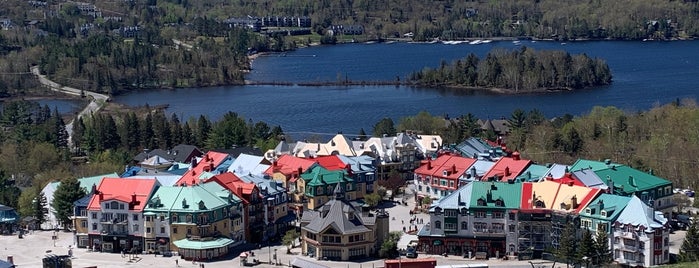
(67, 192)
(39, 208)
(586, 247)
(603, 255)
(567, 245)
(689, 252)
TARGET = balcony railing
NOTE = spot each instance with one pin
(490, 232)
(114, 232)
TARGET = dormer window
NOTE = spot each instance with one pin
(539, 204)
(499, 203)
(481, 202)
(603, 213)
(445, 173)
(588, 211)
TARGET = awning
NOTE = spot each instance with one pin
(210, 244)
(162, 241)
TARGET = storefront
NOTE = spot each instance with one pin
(205, 249)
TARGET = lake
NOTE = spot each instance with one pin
(645, 74)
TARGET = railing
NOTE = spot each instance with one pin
(114, 232)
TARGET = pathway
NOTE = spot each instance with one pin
(97, 101)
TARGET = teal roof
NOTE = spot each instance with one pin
(589, 164)
(209, 244)
(174, 198)
(321, 176)
(461, 198)
(87, 182)
(613, 205)
(491, 191)
(533, 173)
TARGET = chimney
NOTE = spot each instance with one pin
(507, 171)
(193, 163)
(274, 163)
(133, 198)
(453, 169)
(610, 185)
(349, 169)
(473, 173)
(101, 196)
(300, 170)
(574, 202)
(601, 205)
(240, 189)
(93, 190)
(515, 156)
(429, 164)
(211, 166)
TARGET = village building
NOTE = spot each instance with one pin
(115, 214)
(340, 231)
(442, 176)
(641, 236)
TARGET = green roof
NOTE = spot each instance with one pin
(533, 172)
(174, 198)
(491, 191)
(610, 203)
(628, 180)
(591, 164)
(321, 176)
(87, 182)
(210, 244)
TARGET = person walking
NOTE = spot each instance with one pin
(177, 263)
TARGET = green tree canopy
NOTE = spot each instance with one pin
(67, 192)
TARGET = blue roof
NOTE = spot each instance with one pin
(273, 187)
(590, 178)
(556, 171)
(638, 213)
(472, 147)
(533, 173)
(83, 202)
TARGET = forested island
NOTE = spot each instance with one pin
(112, 47)
(518, 71)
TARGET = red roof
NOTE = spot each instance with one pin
(569, 178)
(330, 162)
(209, 161)
(288, 165)
(452, 165)
(507, 168)
(234, 184)
(125, 190)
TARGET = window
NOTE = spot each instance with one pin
(438, 225)
(174, 217)
(480, 214)
(174, 230)
(602, 227)
(603, 213)
(481, 202)
(450, 213)
(348, 187)
(135, 217)
(498, 227)
(319, 190)
(498, 215)
(149, 218)
(464, 225)
(94, 215)
(162, 230)
(450, 226)
(513, 216)
(135, 227)
(512, 228)
(106, 205)
(148, 230)
(94, 226)
(585, 224)
(83, 224)
(451, 184)
(121, 206)
(499, 203)
(435, 181)
(189, 231)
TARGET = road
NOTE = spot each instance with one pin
(96, 100)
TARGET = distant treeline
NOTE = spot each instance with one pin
(518, 71)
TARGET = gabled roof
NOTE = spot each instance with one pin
(509, 193)
(626, 180)
(336, 216)
(84, 201)
(289, 165)
(187, 198)
(590, 164)
(638, 213)
(534, 172)
(473, 147)
(339, 144)
(321, 176)
(330, 162)
(246, 164)
(86, 182)
(556, 171)
(428, 144)
(359, 164)
(556, 196)
(507, 168)
(209, 162)
(156, 162)
(233, 183)
(123, 189)
(589, 178)
(461, 198)
(453, 166)
(272, 187)
(612, 204)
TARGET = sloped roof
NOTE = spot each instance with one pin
(428, 143)
(233, 183)
(248, 164)
(461, 198)
(589, 164)
(219, 242)
(339, 144)
(628, 180)
(322, 176)
(237, 151)
(510, 193)
(156, 161)
(303, 263)
(359, 164)
(589, 178)
(288, 165)
(330, 162)
(533, 173)
(507, 168)
(210, 161)
(473, 147)
(336, 217)
(122, 189)
(556, 171)
(273, 187)
(163, 178)
(612, 204)
(553, 194)
(638, 213)
(453, 165)
(187, 198)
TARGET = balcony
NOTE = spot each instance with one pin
(489, 232)
(115, 232)
(624, 234)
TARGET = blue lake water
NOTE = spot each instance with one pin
(645, 74)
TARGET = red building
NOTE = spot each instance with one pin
(507, 168)
(440, 177)
(410, 263)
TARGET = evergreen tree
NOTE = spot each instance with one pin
(586, 248)
(603, 255)
(67, 192)
(78, 132)
(567, 245)
(60, 134)
(689, 252)
(203, 129)
(362, 135)
(9, 193)
(40, 208)
(147, 135)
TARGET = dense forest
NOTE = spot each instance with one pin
(127, 45)
(518, 71)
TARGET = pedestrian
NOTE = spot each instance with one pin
(177, 263)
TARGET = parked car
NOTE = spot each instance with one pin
(411, 253)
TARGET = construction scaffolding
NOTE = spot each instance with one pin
(534, 230)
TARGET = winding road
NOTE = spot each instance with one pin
(97, 101)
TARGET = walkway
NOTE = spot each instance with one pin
(97, 101)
